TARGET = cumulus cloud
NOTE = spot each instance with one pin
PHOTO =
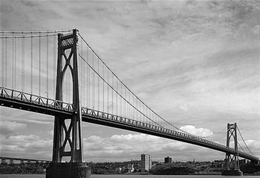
(131, 146)
(9, 127)
(26, 146)
(201, 132)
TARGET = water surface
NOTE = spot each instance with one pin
(124, 176)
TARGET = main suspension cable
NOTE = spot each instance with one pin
(111, 87)
(127, 87)
(244, 141)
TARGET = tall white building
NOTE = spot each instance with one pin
(146, 162)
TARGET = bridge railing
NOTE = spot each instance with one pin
(158, 129)
(24, 159)
(34, 99)
(111, 117)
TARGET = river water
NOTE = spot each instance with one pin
(124, 176)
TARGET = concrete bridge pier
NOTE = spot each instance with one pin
(68, 170)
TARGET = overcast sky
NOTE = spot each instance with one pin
(196, 63)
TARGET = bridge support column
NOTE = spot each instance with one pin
(232, 161)
(67, 140)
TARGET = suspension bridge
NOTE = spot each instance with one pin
(58, 73)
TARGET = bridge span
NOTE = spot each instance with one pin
(34, 103)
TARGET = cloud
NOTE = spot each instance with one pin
(131, 146)
(123, 145)
(11, 115)
(26, 146)
(201, 132)
(10, 127)
(254, 145)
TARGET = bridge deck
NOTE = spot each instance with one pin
(25, 101)
(24, 159)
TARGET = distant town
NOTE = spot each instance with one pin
(143, 166)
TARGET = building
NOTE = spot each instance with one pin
(146, 162)
(167, 160)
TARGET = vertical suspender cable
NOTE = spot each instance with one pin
(85, 86)
(3, 62)
(108, 91)
(12, 65)
(133, 103)
(121, 101)
(15, 62)
(117, 98)
(47, 64)
(85, 77)
(134, 110)
(140, 115)
(54, 69)
(2, 67)
(98, 86)
(23, 64)
(137, 113)
(129, 110)
(94, 97)
(31, 63)
(39, 63)
(80, 63)
(81, 80)
(5, 77)
(103, 83)
(112, 96)
(88, 83)
(125, 104)
(141, 111)
(145, 113)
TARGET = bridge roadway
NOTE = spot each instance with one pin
(23, 159)
(34, 103)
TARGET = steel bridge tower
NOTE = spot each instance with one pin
(67, 140)
(231, 160)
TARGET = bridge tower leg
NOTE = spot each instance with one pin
(232, 161)
(67, 140)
